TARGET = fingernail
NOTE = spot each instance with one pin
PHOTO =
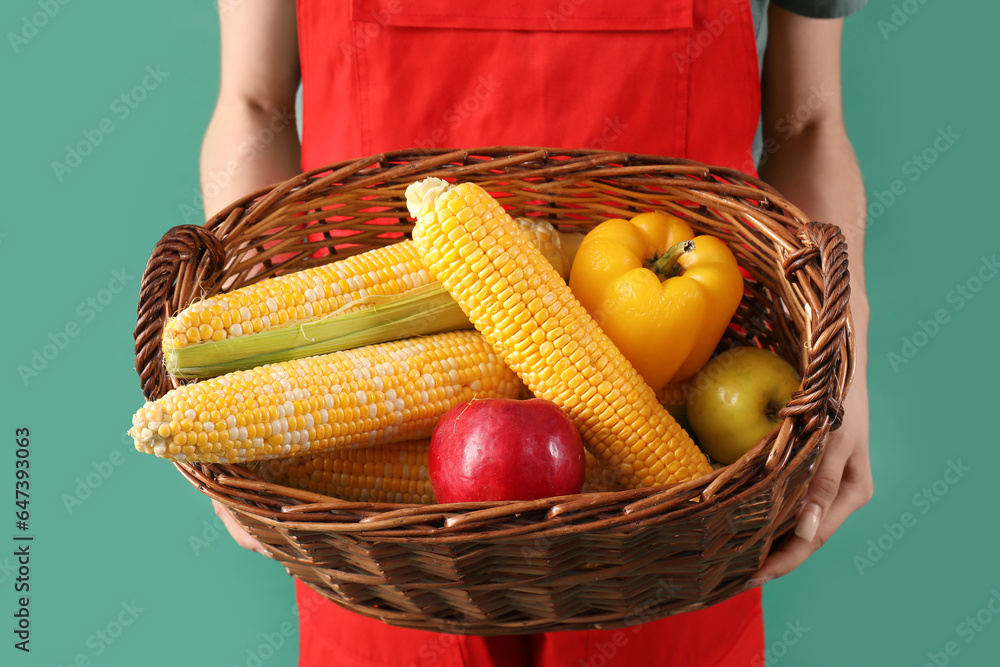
(757, 581)
(264, 552)
(809, 522)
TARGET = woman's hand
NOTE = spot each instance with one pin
(242, 537)
(841, 485)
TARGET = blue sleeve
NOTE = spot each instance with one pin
(822, 9)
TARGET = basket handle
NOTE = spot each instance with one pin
(830, 359)
(188, 254)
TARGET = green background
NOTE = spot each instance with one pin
(73, 246)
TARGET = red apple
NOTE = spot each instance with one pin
(505, 449)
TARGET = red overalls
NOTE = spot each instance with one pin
(676, 78)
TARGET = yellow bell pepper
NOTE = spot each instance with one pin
(663, 295)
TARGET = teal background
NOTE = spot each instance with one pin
(142, 537)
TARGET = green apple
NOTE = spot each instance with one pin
(735, 398)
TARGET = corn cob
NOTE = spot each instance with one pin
(375, 394)
(559, 248)
(379, 295)
(530, 316)
(672, 393)
(597, 478)
(299, 296)
(389, 473)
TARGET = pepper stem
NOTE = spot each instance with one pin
(666, 265)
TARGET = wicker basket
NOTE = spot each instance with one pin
(575, 562)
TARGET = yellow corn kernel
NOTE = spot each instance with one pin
(673, 393)
(598, 478)
(387, 473)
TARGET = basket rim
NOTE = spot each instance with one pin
(494, 159)
(636, 505)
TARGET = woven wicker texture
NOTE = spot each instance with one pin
(574, 562)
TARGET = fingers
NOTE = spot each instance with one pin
(783, 560)
(242, 537)
(823, 490)
(844, 487)
(843, 479)
(796, 550)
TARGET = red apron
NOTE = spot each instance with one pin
(676, 78)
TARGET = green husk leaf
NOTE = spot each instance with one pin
(424, 310)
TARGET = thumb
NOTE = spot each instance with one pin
(823, 489)
(241, 536)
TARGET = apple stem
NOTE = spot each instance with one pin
(666, 265)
